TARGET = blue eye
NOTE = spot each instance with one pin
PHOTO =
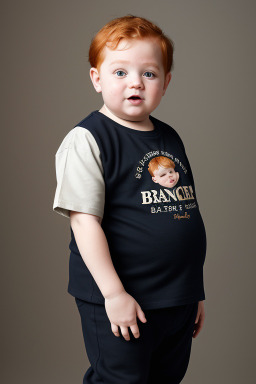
(119, 71)
(151, 74)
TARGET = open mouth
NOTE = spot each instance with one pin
(134, 98)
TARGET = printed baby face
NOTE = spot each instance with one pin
(134, 69)
(167, 177)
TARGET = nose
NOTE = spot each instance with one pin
(135, 82)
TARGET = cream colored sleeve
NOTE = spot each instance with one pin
(79, 174)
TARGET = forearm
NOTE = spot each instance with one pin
(92, 244)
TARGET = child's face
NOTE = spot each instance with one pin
(141, 74)
(167, 177)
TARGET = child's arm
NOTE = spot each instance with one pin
(122, 309)
(93, 247)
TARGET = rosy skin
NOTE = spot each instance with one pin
(167, 177)
(117, 82)
(199, 319)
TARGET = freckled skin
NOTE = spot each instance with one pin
(167, 177)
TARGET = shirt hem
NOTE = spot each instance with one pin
(170, 302)
(155, 304)
(88, 297)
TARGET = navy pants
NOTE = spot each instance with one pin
(160, 355)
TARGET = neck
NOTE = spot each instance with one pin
(141, 125)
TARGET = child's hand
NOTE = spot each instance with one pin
(122, 311)
(199, 319)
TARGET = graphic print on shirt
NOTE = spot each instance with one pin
(166, 172)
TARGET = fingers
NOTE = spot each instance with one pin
(197, 329)
(115, 330)
(135, 330)
(125, 332)
(141, 314)
(199, 325)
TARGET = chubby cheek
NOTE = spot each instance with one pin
(116, 88)
(110, 92)
(156, 93)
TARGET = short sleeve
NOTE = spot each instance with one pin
(79, 174)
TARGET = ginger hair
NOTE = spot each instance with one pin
(162, 161)
(129, 27)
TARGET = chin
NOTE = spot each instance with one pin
(141, 115)
(134, 116)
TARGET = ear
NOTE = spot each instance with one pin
(95, 78)
(167, 81)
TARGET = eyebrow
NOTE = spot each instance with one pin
(126, 62)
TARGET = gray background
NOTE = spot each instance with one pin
(210, 102)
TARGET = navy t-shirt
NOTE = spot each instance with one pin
(141, 184)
